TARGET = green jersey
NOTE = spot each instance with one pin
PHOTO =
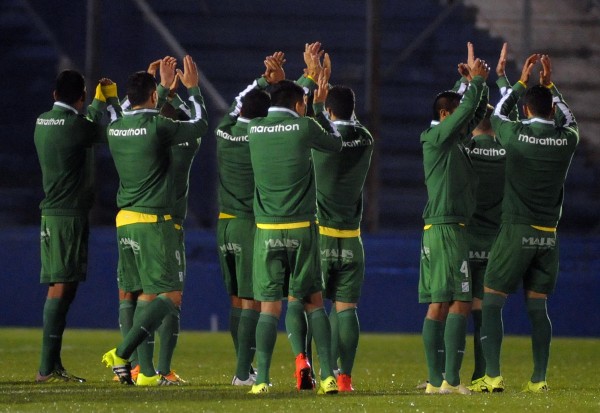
(538, 156)
(280, 151)
(488, 158)
(340, 177)
(64, 143)
(449, 176)
(140, 144)
(236, 177)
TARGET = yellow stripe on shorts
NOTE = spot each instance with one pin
(426, 227)
(125, 217)
(545, 229)
(339, 233)
(288, 225)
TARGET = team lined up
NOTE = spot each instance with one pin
(290, 201)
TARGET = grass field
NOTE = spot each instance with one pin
(387, 369)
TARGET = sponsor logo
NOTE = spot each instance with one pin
(465, 287)
(356, 143)
(128, 243)
(230, 247)
(530, 242)
(51, 122)
(284, 243)
(486, 151)
(127, 132)
(479, 255)
(542, 141)
(425, 252)
(229, 137)
(333, 253)
(274, 128)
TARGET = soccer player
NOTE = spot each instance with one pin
(538, 155)
(445, 282)
(286, 241)
(64, 143)
(182, 157)
(340, 178)
(150, 256)
(236, 227)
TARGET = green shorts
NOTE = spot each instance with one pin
(523, 253)
(444, 273)
(343, 267)
(235, 242)
(286, 262)
(150, 257)
(479, 253)
(64, 248)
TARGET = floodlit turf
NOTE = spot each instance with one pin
(387, 369)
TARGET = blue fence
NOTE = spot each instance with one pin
(389, 302)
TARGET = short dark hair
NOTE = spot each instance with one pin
(486, 123)
(286, 93)
(70, 86)
(340, 100)
(448, 100)
(255, 104)
(140, 86)
(538, 100)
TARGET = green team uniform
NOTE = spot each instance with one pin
(451, 184)
(236, 227)
(149, 245)
(286, 242)
(488, 158)
(538, 153)
(64, 143)
(340, 178)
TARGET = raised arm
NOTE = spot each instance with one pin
(562, 114)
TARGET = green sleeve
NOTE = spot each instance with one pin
(235, 108)
(453, 128)
(480, 111)
(504, 127)
(322, 139)
(504, 85)
(163, 95)
(307, 83)
(114, 108)
(185, 131)
(562, 114)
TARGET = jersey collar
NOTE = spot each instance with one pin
(280, 109)
(65, 106)
(137, 111)
(243, 119)
(539, 120)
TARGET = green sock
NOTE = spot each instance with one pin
(145, 350)
(349, 331)
(126, 311)
(479, 370)
(234, 325)
(168, 333)
(334, 351)
(541, 336)
(492, 332)
(147, 323)
(455, 342)
(433, 341)
(266, 335)
(246, 342)
(55, 318)
(321, 330)
(296, 326)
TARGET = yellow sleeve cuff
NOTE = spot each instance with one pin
(109, 91)
(522, 84)
(99, 95)
(550, 86)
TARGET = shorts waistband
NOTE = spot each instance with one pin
(125, 217)
(426, 227)
(545, 229)
(287, 225)
(339, 233)
(223, 215)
